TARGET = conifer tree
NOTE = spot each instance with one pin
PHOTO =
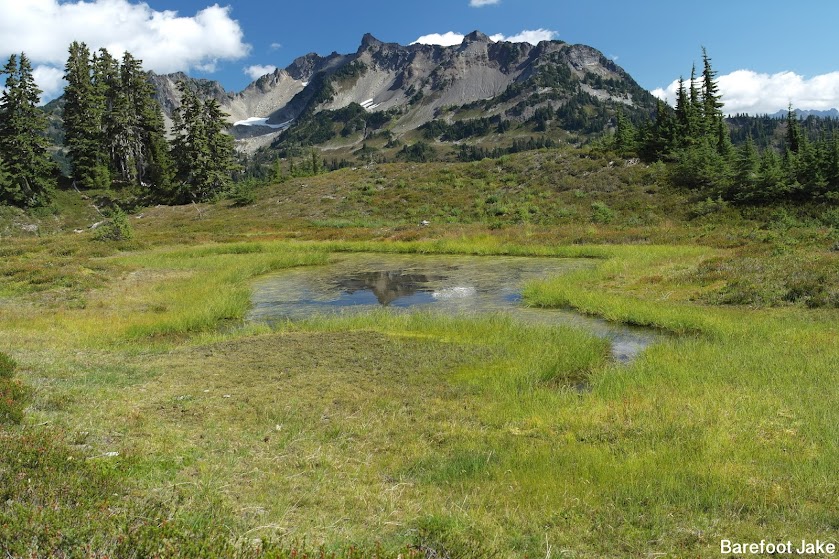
(4, 175)
(657, 140)
(83, 113)
(141, 155)
(113, 124)
(793, 134)
(23, 146)
(203, 153)
(625, 140)
(746, 173)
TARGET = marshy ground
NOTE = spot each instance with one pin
(158, 423)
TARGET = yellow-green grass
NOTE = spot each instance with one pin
(468, 436)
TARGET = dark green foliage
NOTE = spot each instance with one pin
(601, 213)
(625, 141)
(468, 152)
(115, 228)
(7, 366)
(323, 126)
(28, 175)
(354, 69)
(419, 152)
(203, 152)
(13, 395)
(113, 124)
(461, 129)
(242, 193)
(696, 137)
(83, 119)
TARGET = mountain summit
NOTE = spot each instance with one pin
(414, 85)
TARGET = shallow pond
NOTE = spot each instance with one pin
(448, 284)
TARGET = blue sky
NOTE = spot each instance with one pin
(767, 53)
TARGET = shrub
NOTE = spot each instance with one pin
(601, 213)
(242, 194)
(7, 366)
(830, 218)
(116, 228)
(707, 207)
(12, 393)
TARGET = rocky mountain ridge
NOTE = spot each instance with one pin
(417, 84)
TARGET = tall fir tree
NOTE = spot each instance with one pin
(113, 124)
(83, 113)
(746, 173)
(23, 145)
(626, 136)
(4, 175)
(203, 153)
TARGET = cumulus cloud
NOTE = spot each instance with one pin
(747, 91)
(50, 80)
(450, 38)
(480, 3)
(258, 70)
(533, 36)
(164, 40)
(443, 39)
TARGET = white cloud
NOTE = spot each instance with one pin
(479, 3)
(533, 36)
(50, 80)
(746, 91)
(164, 40)
(257, 70)
(443, 39)
(450, 38)
(275, 46)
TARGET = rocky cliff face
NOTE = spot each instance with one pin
(417, 83)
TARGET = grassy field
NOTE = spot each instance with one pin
(157, 423)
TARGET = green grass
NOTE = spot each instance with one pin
(419, 432)
(381, 435)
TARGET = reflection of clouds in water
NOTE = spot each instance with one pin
(451, 285)
(459, 292)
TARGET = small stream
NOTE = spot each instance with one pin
(459, 285)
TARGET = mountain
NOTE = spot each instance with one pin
(392, 88)
(802, 114)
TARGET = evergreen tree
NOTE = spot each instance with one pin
(106, 86)
(746, 173)
(658, 140)
(625, 140)
(143, 152)
(23, 146)
(83, 112)
(683, 110)
(113, 124)
(832, 164)
(711, 103)
(316, 161)
(203, 153)
(793, 134)
(696, 106)
(773, 179)
(5, 178)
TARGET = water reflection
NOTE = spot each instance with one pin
(447, 284)
(388, 286)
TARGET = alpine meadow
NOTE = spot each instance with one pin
(486, 299)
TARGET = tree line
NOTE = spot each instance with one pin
(695, 137)
(114, 134)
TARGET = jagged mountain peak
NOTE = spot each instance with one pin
(415, 84)
(369, 42)
(476, 37)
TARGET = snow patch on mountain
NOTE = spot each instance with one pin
(256, 121)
